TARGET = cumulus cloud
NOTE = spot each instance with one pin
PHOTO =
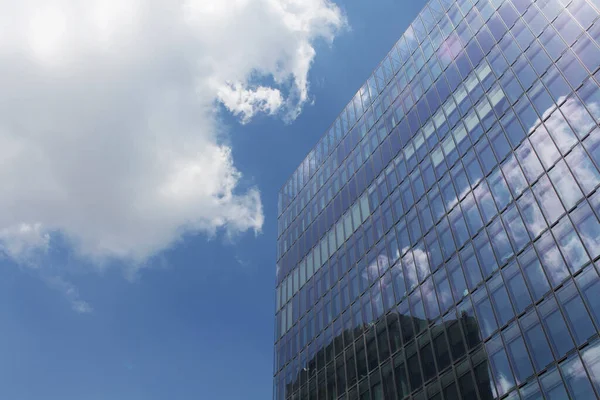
(110, 131)
(245, 103)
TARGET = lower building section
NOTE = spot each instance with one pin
(351, 362)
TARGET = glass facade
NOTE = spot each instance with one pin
(442, 240)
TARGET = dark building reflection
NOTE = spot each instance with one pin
(395, 356)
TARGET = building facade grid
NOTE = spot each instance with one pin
(442, 240)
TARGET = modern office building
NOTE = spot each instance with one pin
(442, 240)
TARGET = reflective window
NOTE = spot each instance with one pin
(517, 288)
(500, 366)
(591, 359)
(575, 313)
(517, 354)
(500, 300)
(445, 227)
(589, 284)
(536, 340)
(553, 386)
(556, 329)
(485, 314)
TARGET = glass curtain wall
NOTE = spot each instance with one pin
(442, 240)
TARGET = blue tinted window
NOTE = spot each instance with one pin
(536, 341)
(534, 273)
(588, 227)
(517, 288)
(556, 329)
(471, 266)
(575, 313)
(485, 314)
(553, 386)
(517, 354)
(576, 379)
(500, 300)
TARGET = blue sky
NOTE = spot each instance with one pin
(104, 297)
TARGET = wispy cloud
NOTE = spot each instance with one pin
(71, 294)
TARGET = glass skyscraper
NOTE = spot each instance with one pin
(442, 240)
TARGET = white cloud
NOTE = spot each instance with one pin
(24, 242)
(247, 102)
(71, 294)
(109, 125)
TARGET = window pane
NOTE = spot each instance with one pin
(529, 161)
(485, 254)
(500, 366)
(499, 189)
(500, 242)
(588, 227)
(517, 288)
(485, 315)
(471, 266)
(576, 379)
(548, 200)
(544, 147)
(531, 391)
(556, 329)
(552, 261)
(514, 176)
(565, 184)
(553, 386)
(516, 229)
(457, 279)
(517, 354)
(584, 170)
(570, 245)
(536, 341)
(591, 359)
(575, 313)
(500, 301)
(589, 284)
(532, 216)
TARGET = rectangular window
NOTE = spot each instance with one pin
(485, 201)
(551, 258)
(556, 329)
(471, 267)
(591, 359)
(548, 200)
(514, 176)
(553, 386)
(583, 169)
(500, 242)
(499, 189)
(516, 229)
(517, 288)
(570, 245)
(565, 184)
(589, 284)
(575, 313)
(485, 254)
(532, 216)
(576, 379)
(485, 314)
(536, 340)
(500, 366)
(471, 213)
(500, 300)
(517, 353)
